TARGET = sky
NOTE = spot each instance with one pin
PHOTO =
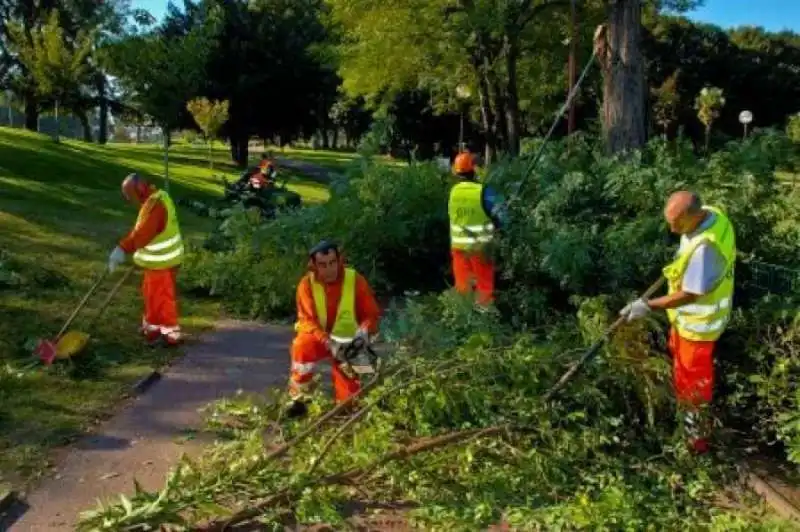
(773, 15)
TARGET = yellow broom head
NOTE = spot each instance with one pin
(71, 344)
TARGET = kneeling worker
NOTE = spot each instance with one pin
(335, 305)
(157, 248)
(698, 304)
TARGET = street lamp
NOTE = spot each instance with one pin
(745, 117)
(463, 94)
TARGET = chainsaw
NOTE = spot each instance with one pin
(356, 357)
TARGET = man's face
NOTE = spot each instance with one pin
(327, 266)
(680, 222)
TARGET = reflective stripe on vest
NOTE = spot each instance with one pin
(705, 319)
(166, 249)
(345, 325)
(470, 227)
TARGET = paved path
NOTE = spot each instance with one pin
(149, 435)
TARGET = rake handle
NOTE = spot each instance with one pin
(82, 303)
(110, 296)
(595, 348)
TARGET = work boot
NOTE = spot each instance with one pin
(296, 409)
(153, 339)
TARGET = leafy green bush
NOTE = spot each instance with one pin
(391, 223)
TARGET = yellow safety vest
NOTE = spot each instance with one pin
(707, 317)
(470, 227)
(345, 326)
(166, 249)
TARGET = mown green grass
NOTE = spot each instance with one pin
(61, 213)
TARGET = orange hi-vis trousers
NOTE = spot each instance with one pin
(693, 378)
(469, 267)
(307, 353)
(160, 305)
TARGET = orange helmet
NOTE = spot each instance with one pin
(464, 163)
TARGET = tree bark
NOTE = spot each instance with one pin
(86, 126)
(513, 122)
(102, 134)
(498, 98)
(624, 93)
(239, 148)
(31, 113)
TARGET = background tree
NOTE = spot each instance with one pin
(162, 72)
(709, 104)
(209, 116)
(793, 128)
(57, 64)
(666, 103)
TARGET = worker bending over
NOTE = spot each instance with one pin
(475, 211)
(698, 304)
(335, 306)
(157, 247)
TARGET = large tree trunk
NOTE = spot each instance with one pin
(512, 100)
(240, 150)
(624, 94)
(31, 113)
(85, 125)
(499, 100)
(102, 134)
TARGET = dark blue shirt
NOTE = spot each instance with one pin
(493, 205)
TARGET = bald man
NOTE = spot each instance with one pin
(698, 304)
(157, 247)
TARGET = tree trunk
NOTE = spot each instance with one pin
(487, 117)
(166, 157)
(512, 100)
(239, 148)
(102, 134)
(31, 112)
(624, 94)
(57, 136)
(335, 138)
(499, 100)
(86, 126)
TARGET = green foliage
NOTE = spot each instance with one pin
(57, 63)
(585, 459)
(793, 128)
(162, 73)
(209, 116)
(391, 223)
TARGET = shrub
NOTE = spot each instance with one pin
(391, 223)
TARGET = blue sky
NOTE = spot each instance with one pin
(774, 15)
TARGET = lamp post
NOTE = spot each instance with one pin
(745, 117)
(462, 93)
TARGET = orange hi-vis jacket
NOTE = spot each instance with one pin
(367, 309)
(153, 223)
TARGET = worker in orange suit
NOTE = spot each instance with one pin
(157, 247)
(335, 306)
(475, 211)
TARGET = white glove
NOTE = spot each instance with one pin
(363, 334)
(116, 258)
(636, 310)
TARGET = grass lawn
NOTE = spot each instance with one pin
(61, 213)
